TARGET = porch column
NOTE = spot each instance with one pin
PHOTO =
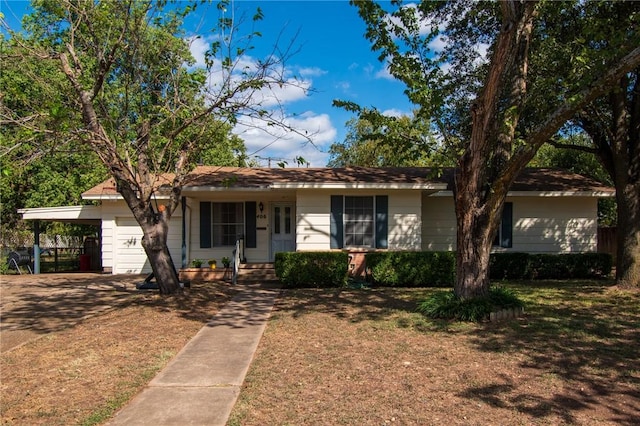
(184, 232)
(36, 246)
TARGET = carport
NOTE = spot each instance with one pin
(80, 215)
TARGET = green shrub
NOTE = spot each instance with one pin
(4, 265)
(446, 305)
(509, 266)
(312, 269)
(412, 269)
(549, 266)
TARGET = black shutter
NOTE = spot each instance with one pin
(337, 225)
(205, 224)
(506, 236)
(382, 221)
(250, 239)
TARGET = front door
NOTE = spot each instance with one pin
(283, 230)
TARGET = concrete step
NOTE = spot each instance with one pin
(247, 272)
(257, 272)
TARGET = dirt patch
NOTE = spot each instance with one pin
(36, 305)
(366, 358)
(98, 341)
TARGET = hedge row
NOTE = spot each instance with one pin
(312, 269)
(549, 266)
(432, 269)
(412, 269)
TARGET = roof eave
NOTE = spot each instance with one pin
(593, 194)
(358, 185)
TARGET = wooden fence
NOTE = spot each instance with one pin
(607, 240)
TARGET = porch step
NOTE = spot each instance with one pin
(247, 272)
(257, 272)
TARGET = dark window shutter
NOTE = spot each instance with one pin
(382, 221)
(337, 225)
(251, 240)
(205, 224)
(507, 226)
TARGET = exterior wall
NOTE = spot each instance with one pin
(415, 222)
(263, 224)
(540, 224)
(313, 218)
(438, 224)
(555, 224)
(122, 251)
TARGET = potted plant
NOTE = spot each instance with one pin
(226, 262)
(212, 264)
(196, 263)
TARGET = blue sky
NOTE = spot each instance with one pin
(333, 58)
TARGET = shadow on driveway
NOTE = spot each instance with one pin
(34, 305)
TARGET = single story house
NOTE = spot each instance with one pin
(356, 209)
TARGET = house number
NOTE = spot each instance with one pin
(261, 216)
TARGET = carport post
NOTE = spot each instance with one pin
(36, 246)
(184, 232)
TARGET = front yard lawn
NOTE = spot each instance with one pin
(366, 357)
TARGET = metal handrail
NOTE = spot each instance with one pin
(236, 262)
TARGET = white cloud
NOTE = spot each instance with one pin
(439, 43)
(293, 90)
(483, 52)
(425, 26)
(311, 72)
(384, 73)
(393, 112)
(314, 133)
(198, 46)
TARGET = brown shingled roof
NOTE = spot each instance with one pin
(547, 180)
(260, 177)
(234, 177)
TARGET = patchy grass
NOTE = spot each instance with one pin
(83, 373)
(367, 357)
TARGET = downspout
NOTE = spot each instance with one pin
(36, 246)
(183, 201)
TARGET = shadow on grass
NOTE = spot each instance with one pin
(48, 303)
(353, 305)
(582, 337)
(587, 334)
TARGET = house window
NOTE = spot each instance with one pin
(227, 223)
(504, 237)
(359, 221)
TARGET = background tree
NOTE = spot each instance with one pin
(582, 162)
(502, 106)
(129, 91)
(381, 141)
(613, 125)
(36, 172)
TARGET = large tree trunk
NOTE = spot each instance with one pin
(628, 235)
(473, 250)
(154, 242)
(614, 127)
(482, 178)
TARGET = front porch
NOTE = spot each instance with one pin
(247, 272)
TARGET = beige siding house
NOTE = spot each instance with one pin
(354, 209)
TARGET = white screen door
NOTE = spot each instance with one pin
(283, 234)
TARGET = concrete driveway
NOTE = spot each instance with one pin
(34, 305)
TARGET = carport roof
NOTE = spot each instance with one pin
(83, 215)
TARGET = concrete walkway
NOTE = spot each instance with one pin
(201, 384)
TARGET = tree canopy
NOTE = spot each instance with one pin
(125, 86)
(390, 142)
(499, 79)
